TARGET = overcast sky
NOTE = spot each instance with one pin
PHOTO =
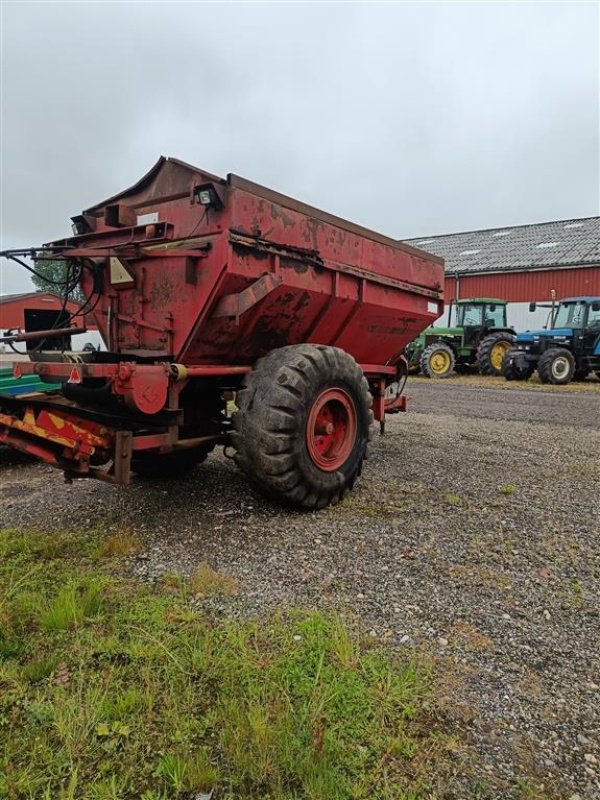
(411, 118)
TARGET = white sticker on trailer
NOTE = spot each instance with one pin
(147, 219)
(432, 307)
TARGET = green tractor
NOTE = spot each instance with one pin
(479, 339)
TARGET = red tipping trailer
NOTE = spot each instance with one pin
(200, 287)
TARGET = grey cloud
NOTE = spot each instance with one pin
(414, 119)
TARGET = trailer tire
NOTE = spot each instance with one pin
(556, 366)
(438, 360)
(303, 425)
(169, 465)
(491, 352)
(511, 371)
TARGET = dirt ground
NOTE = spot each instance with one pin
(473, 536)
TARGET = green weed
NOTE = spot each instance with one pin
(72, 605)
(453, 499)
(507, 489)
(38, 669)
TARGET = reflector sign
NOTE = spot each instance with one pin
(119, 274)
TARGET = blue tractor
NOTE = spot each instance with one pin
(567, 349)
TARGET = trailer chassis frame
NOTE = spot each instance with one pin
(93, 443)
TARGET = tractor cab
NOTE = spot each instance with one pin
(578, 313)
(479, 317)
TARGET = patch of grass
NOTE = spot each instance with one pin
(502, 582)
(453, 499)
(38, 669)
(72, 604)
(577, 587)
(14, 543)
(207, 582)
(571, 592)
(112, 691)
(123, 544)
(507, 489)
(525, 790)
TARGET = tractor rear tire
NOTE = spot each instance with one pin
(438, 360)
(303, 425)
(556, 366)
(491, 352)
(169, 465)
(511, 371)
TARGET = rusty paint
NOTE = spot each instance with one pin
(162, 293)
(279, 214)
(234, 305)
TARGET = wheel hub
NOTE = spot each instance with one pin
(331, 429)
(560, 367)
(499, 350)
(439, 362)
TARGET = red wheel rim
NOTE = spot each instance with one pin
(331, 429)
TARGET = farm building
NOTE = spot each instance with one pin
(521, 264)
(15, 307)
(39, 309)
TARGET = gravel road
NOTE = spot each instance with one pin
(523, 405)
(473, 536)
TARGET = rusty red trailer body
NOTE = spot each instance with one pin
(192, 279)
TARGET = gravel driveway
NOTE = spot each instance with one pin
(473, 536)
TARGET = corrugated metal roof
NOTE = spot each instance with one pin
(565, 242)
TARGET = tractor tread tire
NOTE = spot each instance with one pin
(544, 366)
(509, 370)
(484, 352)
(269, 435)
(428, 352)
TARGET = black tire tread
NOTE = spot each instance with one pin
(484, 351)
(545, 362)
(431, 348)
(272, 398)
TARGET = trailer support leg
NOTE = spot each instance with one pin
(123, 450)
